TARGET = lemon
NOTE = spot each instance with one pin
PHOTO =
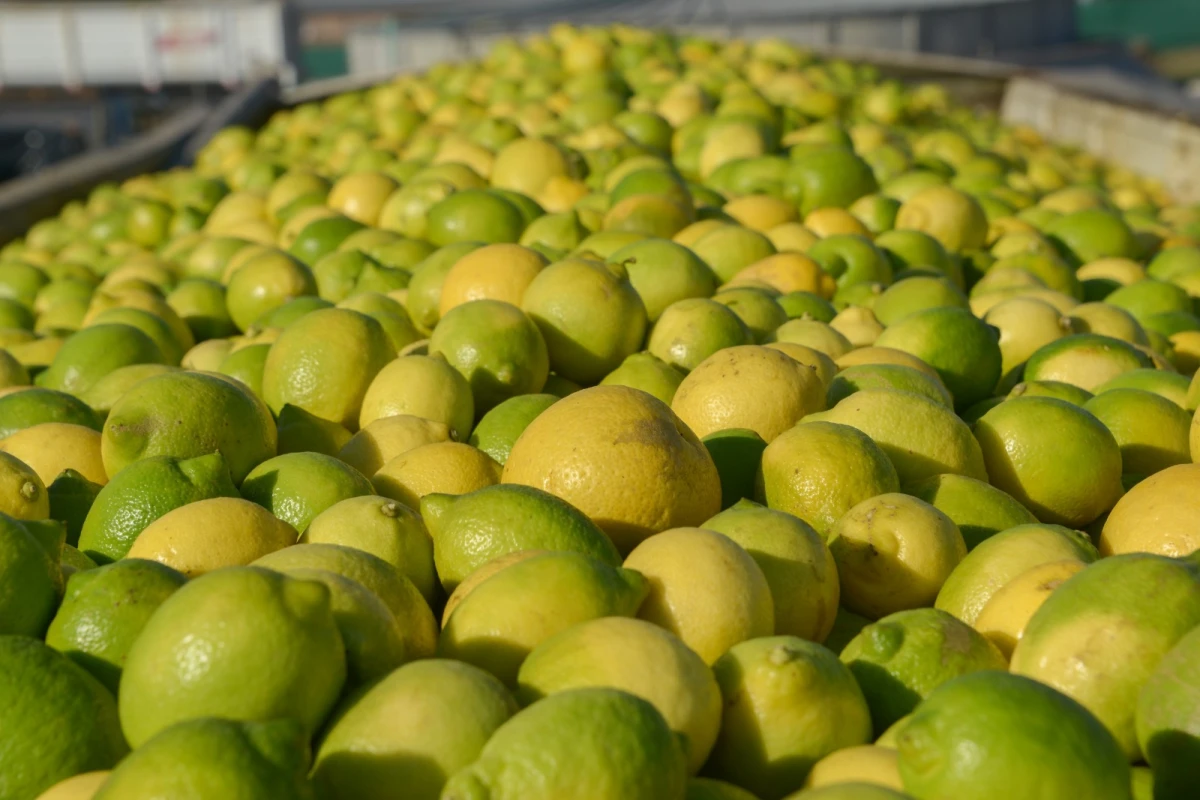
(691, 330)
(446, 467)
(468, 704)
(246, 365)
(105, 609)
(525, 165)
(264, 283)
(1026, 324)
(1107, 320)
(712, 789)
(1086, 360)
(903, 657)
(1169, 385)
(210, 534)
(387, 437)
(361, 195)
(978, 509)
(761, 212)
(324, 364)
(502, 619)
(663, 272)
(80, 787)
(94, 352)
(296, 487)
(963, 349)
(231, 618)
(731, 248)
(1108, 599)
(23, 494)
(622, 749)
(473, 529)
(657, 476)
(1151, 431)
(186, 415)
(493, 272)
(300, 431)
(1004, 617)
(1165, 721)
(787, 272)
(385, 529)
(823, 365)
(1068, 472)
(885, 376)
(819, 471)
(589, 315)
(30, 555)
(817, 335)
(704, 588)
(497, 348)
(64, 722)
(747, 387)
(894, 552)
(903, 424)
(1029, 741)
(788, 704)
(421, 386)
(799, 568)
(499, 428)
(858, 324)
(1156, 516)
(12, 373)
(216, 758)
(636, 657)
(878, 766)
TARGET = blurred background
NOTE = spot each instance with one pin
(77, 76)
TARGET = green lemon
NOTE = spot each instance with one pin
(105, 609)
(979, 509)
(497, 348)
(1151, 431)
(156, 326)
(1085, 360)
(406, 211)
(302, 432)
(383, 738)
(229, 621)
(263, 284)
(827, 177)
(689, 331)
(71, 498)
(30, 407)
(389, 313)
(474, 215)
(756, 308)
(502, 619)
(590, 316)
(1166, 718)
(12, 372)
(296, 487)
(886, 376)
(850, 791)
(636, 657)
(712, 789)
(59, 720)
(1110, 598)
(649, 373)
(962, 348)
(418, 630)
(384, 528)
(200, 303)
(142, 493)
(730, 248)
(799, 305)
(472, 529)
(910, 249)
(246, 365)
(799, 568)
(663, 272)
(620, 747)
(499, 428)
(917, 293)
(213, 757)
(30, 552)
(852, 260)
(1091, 234)
(737, 454)
(1027, 740)
(321, 237)
(94, 352)
(921, 437)
(185, 415)
(562, 231)
(1169, 385)
(788, 704)
(820, 470)
(1002, 557)
(288, 313)
(1058, 390)
(903, 657)
(1053, 457)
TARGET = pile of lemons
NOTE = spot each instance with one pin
(624, 416)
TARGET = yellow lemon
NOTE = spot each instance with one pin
(387, 437)
(81, 787)
(761, 212)
(792, 237)
(52, 447)
(1004, 617)
(493, 272)
(751, 387)
(884, 355)
(423, 386)
(866, 763)
(824, 366)
(788, 272)
(1160, 515)
(623, 458)
(834, 221)
(893, 553)
(361, 195)
(858, 324)
(704, 588)
(211, 534)
(443, 467)
(22, 493)
(814, 334)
